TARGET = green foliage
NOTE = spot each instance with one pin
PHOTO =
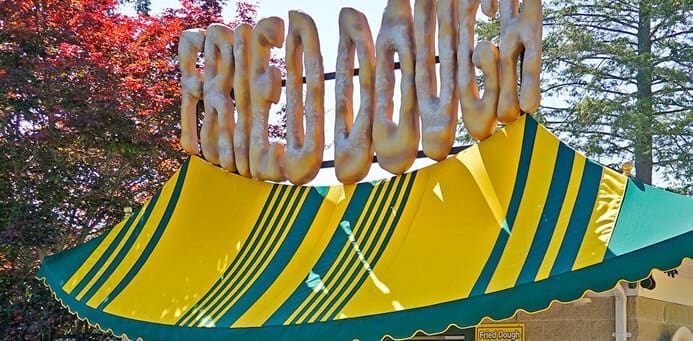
(617, 82)
(89, 112)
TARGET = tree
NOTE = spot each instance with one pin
(620, 73)
(89, 112)
(141, 6)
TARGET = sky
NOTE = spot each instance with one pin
(326, 15)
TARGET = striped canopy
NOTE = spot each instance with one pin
(512, 223)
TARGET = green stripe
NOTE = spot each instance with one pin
(350, 257)
(267, 245)
(71, 260)
(104, 256)
(124, 250)
(549, 215)
(389, 230)
(153, 241)
(579, 218)
(328, 256)
(241, 258)
(484, 279)
(255, 230)
(297, 232)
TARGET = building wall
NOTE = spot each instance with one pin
(592, 318)
(576, 321)
(657, 320)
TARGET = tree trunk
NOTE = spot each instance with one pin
(643, 118)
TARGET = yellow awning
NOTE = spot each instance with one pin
(512, 223)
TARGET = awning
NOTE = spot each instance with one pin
(515, 222)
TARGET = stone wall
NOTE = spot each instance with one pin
(657, 320)
(582, 320)
(592, 318)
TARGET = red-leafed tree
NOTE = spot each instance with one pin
(89, 112)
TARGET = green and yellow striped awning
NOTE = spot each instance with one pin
(512, 223)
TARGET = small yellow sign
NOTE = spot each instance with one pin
(500, 332)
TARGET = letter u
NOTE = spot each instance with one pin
(438, 114)
(304, 149)
(352, 138)
(396, 144)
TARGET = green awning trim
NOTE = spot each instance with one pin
(467, 312)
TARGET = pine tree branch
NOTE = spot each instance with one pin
(665, 162)
(613, 92)
(555, 86)
(671, 90)
(634, 44)
(598, 72)
(594, 132)
(671, 59)
(597, 124)
(632, 9)
(602, 28)
(673, 35)
(601, 56)
(554, 108)
(663, 23)
(609, 18)
(668, 112)
(679, 104)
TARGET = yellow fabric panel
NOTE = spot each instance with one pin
(291, 217)
(603, 219)
(374, 292)
(364, 264)
(499, 158)
(223, 196)
(111, 257)
(241, 274)
(429, 257)
(528, 214)
(234, 272)
(563, 218)
(93, 258)
(474, 162)
(308, 252)
(137, 247)
(333, 272)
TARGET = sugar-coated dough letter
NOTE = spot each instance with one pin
(266, 160)
(304, 149)
(241, 92)
(216, 135)
(478, 114)
(352, 139)
(396, 144)
(438, 114)
(489, 7)
(190, 45)
(518, 31)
